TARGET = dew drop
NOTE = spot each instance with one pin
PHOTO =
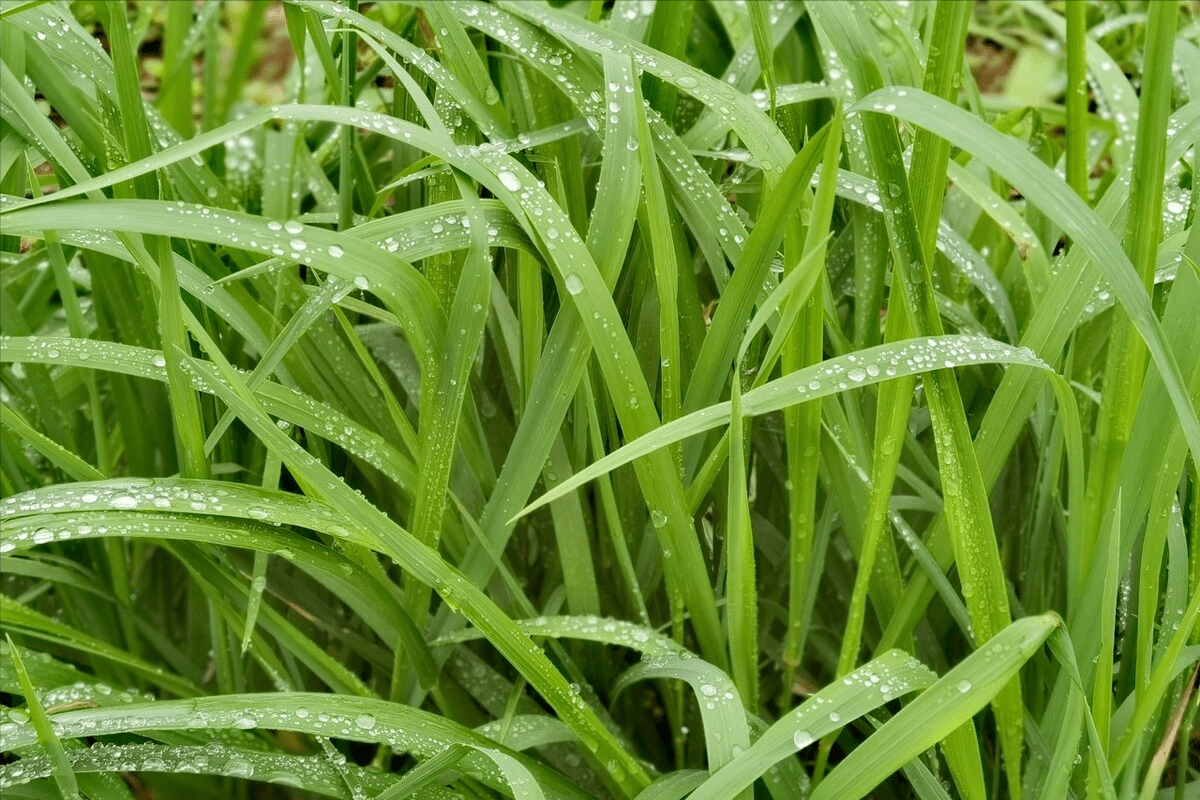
(510, 180)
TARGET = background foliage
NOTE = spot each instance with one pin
(599, 399)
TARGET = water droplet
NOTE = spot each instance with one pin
(802, 739)
(335, 251)
(510, 180)
(574, 283)
(658, 518)
(364, 722)
(964, 686)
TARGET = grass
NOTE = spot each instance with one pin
(657, 400)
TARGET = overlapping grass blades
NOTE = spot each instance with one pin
(529, 400)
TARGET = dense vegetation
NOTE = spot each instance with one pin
(599, 399)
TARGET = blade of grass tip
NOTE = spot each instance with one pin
(968, 511)
(1125, 365)
(258, 578)
(742, 594)
(1061, 646)
(64, 776)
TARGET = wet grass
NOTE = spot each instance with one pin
(632, 400)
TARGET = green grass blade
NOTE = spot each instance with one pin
(64, 775)
(955, 698)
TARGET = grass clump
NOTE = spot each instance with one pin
(464, 399)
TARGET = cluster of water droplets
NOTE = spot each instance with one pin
(917, 355)
(311, 772)
(299, 407)
(147, 495)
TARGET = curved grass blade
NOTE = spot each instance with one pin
(403, 728)
(885, 678)
(864, 368)
(1043, 187)
(60, 767)
(956, 697)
